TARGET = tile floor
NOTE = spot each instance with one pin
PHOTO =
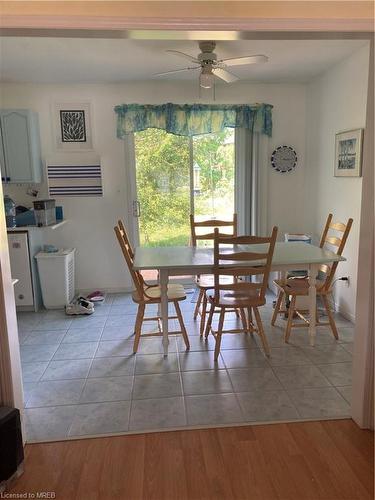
(81, 378)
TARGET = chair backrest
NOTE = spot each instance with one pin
(125, 235)
(332, 240)
(237, 259)
(129, 258)
(210, 225)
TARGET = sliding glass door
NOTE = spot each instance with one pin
(213, 175)
(176, 176)
(163, 188)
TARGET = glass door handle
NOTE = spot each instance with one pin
(136, 208)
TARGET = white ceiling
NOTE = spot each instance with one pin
(73, 60)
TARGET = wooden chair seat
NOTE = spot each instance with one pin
(207, 281)
(300, 286)
(152, 294)
(237, 299)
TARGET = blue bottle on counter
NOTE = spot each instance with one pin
(10, 211)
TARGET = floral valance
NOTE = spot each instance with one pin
(193, 119)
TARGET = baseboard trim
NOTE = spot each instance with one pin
(129, 289)
(336, 307)
(189, 428)
(85, 291)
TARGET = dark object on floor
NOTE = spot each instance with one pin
(96, 296)
(11, 447)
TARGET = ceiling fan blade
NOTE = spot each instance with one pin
(175, 71)
(182, 54)
(238, 61)
(225, 75)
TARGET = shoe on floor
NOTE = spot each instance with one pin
(78, 308)
(84, 302)
(96, 296)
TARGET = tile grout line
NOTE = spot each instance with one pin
(48, 363)
(40, 380)
(234, 392)
(107, 316)
(81, 392)
(132, 391)
(286, 391)
(133, 385)
(46, 368)
(181, 381)
(53, 360)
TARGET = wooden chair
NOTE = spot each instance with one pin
(125, 236)
(242, 295)
(146, 294)
(295, 287)
(206, 281)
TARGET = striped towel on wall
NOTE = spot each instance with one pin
(74, 180)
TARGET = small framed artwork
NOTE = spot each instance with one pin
(73, 126)
(348, 157)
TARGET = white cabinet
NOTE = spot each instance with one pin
(23, 246)
(20, 155)
(20, 264)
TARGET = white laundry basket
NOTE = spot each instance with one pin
(56, 274)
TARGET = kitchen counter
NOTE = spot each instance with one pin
(33, 228)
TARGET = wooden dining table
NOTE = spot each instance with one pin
(187, 261)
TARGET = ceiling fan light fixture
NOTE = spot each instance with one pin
(206, 78)
(211, 67)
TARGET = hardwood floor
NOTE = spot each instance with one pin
(303, 461)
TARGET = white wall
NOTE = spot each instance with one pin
(336, 101)
(91, 220)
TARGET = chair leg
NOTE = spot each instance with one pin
(261, 333)
(243, 319)
(197, 305)
(219, 333)
(331, 319)
(250, 317)
(277, 307)
(209, 320)
(182, 324)
(138, 326)
(203, 314)
(292, 307)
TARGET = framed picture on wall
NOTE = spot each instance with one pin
(72, 123)
(348, 157)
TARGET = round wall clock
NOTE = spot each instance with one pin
(284, 159)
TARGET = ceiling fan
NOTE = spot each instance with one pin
(211, 66)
